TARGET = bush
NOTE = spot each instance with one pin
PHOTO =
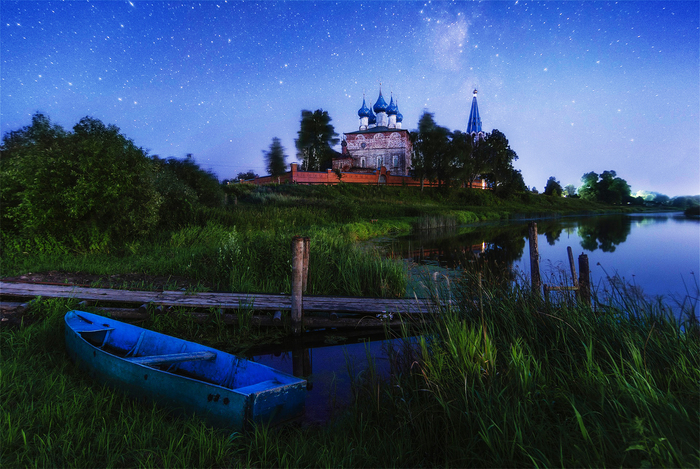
(91, 187)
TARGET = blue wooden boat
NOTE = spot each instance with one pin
(223, 389)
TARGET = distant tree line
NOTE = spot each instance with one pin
(610, 189)
(456, 158)
(93, 187)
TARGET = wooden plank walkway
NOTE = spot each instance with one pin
(256, 301)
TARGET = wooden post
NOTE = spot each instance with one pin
(534, 258)
(297, 283)
(572, 266)
(307, 248)
(584, 285)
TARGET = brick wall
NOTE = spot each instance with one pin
(329, 177)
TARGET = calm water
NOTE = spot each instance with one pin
(658, 254)
(328, 371)
(655, 252)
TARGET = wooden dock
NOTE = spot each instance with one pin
(319, 311)
(233, 301)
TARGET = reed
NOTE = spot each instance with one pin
(503, 379)
(530, 383)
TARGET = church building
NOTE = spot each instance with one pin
(379, 142)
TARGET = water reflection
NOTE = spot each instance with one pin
(656, 253)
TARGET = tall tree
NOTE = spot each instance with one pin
(464, 165)
(498, 158)
(275, 159)
(316, 136)
(431, 150)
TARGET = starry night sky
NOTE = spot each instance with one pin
(575, 86)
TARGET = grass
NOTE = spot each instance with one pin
(502, 379)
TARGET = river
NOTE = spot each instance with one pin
(653, 254)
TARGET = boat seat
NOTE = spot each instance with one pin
(172, 358)
(261, 386)
(83, 326)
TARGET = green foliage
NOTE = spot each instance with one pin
(250, 174)
(457, 158)
(431, 150)
(499, 379)
(553, 187)
(570, 190)
(205, 184)
(91, 187)
(315, 138)
(185, 189)
(275, 159)
(608, 189)
(686, 201)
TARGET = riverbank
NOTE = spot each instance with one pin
(244, 246)
(516, 381)
(506, 380)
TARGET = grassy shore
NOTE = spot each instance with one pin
(502, 379)
(245, 246)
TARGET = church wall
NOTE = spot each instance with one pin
(392, 147)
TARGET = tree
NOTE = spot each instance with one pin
(589, 188)
(431, 150)
(498, 157)
(570, 190)
(553, 187)
(606, 188)
(205, 184)
(275, 159)
(465, 168)
(91, 187)
(316, 136)
(250, 174)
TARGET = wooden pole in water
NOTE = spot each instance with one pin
(534, 258)
(572, 266)
(307, 248)
(584, 285)
(297, 283)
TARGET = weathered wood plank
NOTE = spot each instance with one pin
(150, 360)
(262, 302)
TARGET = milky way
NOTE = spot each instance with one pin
(575, 86)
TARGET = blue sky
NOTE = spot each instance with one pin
(575, 86)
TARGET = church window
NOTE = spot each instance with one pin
(362, 162)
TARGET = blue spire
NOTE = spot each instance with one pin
(474, 124)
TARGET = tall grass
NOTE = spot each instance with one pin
(501, 379)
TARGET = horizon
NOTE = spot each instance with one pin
(575, 86)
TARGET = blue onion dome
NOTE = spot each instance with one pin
(393, 108)
(364, 110)
(380, 105)
(399, 116)
(372, 117)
